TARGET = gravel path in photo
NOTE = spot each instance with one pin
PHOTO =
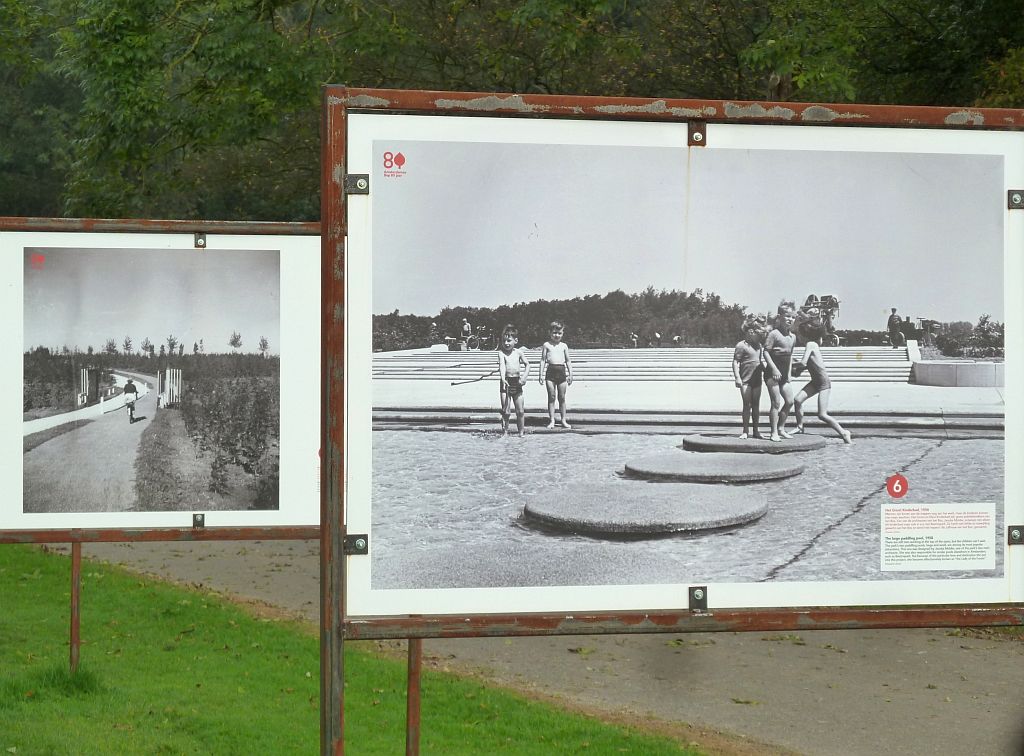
(89, 469)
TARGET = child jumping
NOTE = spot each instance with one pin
(513, 370)
(747, 371)
(778, 348)
(819, 385)
(555, 372)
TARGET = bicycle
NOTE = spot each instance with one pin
(130, 407)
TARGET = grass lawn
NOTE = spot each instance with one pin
(170, 670)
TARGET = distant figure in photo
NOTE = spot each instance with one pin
(131, 394)
(894, 324)
(633, 338)
(555, 372)
(819, 384)
(747, 372)
(778, 349)
(467, 329)
(513, 371)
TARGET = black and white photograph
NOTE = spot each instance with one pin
(151, 380)
(603, 371)
(158, 380)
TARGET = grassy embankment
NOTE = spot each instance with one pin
(170, 670)
(32, 440)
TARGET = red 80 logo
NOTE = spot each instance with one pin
(389, 160)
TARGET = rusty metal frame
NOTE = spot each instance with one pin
(339, 101)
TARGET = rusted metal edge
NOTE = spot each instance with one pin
(716, 620)
(667, 109)
(136, 225)
(126, 535)
(332, 418)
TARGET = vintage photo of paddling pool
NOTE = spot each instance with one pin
(151, 380)
(638, 364)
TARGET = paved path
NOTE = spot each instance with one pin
(89, 469)
(841, 692)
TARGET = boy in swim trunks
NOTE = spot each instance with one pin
(778, 349)
(747, 371)
(819, 384)
(555, 372)
(513, 369)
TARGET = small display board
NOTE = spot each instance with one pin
(159, 382)
(535, 307)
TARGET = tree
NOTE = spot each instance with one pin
(127, 344)
(195, 347)
(235, 342)
(172, 344)
(147, 347)
(163, 351)
(181, 350)
(110, 347)
(264, 346)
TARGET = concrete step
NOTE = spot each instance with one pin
(982, 423)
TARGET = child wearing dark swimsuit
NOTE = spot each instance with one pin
(747, 371)
(819, 384)
(513, 370)
(778, 348)
(556, 372)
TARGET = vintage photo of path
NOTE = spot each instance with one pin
(151, 380)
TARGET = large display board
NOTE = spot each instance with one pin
(220, 339)
(483, 214)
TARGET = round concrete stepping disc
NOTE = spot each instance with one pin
(637, 508)
(705, 443)
(724, 467)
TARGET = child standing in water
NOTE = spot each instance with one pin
(778, 348)
(747, 371)
(513, 370)
(555, 372)
(819, 385)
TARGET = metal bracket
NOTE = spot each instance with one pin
(698, 598)
(200, 240)
(357, 183)
(1015, 199)
(1015, 535)
(697, 136)
(198, 521)
(356, 545)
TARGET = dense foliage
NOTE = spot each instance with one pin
(210, 109)
(698, 318)
(984, 339)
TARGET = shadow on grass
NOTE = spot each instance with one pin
(32, 440)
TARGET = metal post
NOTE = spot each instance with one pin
(332, 448)
(412, 698)
(76, 590)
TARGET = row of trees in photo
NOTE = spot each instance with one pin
(648, 318)
(699, 318)
(51, 374)
(211, 109)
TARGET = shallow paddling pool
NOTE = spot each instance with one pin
(447, 511)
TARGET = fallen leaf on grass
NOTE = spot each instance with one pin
(582, 650)
(746, 701)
